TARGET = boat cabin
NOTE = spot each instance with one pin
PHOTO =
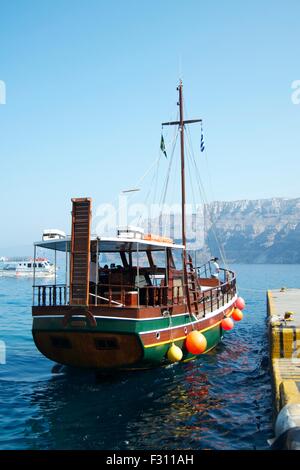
(120, 272)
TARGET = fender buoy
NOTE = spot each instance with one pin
(227, 324)
(195, 342)
(240, 303)
(174, 353)
(237, 315)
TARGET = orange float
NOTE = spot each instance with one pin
(227, 324)
(195, 342)
(240, 303)
(237, 315)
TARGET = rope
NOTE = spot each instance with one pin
(205, 200)
(253, 290)
(203, 193)
(166, 185)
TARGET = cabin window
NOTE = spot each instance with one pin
(29, 265)
(40, 265)
(110, 260)
(159, 258)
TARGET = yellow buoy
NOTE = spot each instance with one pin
(174, 353)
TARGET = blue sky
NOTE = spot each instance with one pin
(88, 84)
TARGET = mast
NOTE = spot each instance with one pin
(181, 123)
(181, 129)
(183, 218)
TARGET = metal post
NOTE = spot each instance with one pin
(97, 271)
(55, 267)
(167, 276)
(34, 258)
(66, 273)
(181, 128)
(138, 271)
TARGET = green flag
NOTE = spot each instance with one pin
(162, 146)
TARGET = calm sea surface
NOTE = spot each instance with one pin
(220, 401)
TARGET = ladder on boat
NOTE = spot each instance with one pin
(80, 251)
(192, 285)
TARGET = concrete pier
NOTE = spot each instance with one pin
(284, 337)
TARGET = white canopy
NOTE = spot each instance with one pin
(110, 244)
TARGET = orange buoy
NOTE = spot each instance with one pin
(237, 315)
(195, 342)
(227, 324)
(240, 303)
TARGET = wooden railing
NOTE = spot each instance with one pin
(51, 295)
(116, 295)
(217, 297)
(205, 271)
(113, 294)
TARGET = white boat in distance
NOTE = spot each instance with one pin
(26, 268)
(42, 268)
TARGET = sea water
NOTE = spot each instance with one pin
(222, 400)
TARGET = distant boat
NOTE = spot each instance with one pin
(8, 268)
(41, 267)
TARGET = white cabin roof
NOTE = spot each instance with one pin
(110, 244)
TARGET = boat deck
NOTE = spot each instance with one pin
(284, 336)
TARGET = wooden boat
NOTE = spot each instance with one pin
(132, 313)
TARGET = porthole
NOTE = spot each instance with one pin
(157, 335)
(185, 330)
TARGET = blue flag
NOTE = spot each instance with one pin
(202, 146)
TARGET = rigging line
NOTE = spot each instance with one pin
(148, 194)
(189, 141)
(156, 181)
(164, 219)
(209, 176)
(252, 290)
(192, 189)
(163, 199)
(200, 183)
(192, 186)
(213, 224)
(156, 173)
(139, 181)
(206, 162)
(175, 180)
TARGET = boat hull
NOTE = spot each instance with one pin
(115, 343)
